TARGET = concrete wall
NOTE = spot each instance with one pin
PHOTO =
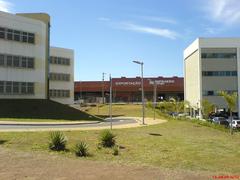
(66, 69)
(192, 79)
(37, 50)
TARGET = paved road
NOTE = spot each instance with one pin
(107, 122)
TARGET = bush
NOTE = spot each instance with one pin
(58, 141)
(115, 150)
(81, 149)
(107, 138)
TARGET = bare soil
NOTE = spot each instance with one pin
(33, 165)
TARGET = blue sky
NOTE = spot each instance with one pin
(107, 35)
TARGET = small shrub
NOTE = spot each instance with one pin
(107, 138)
(81, 149)
(115, 150)
(58, 141)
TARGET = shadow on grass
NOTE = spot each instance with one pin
(3, 142)
(41, 109)
(155, 134)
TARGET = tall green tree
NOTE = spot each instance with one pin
(207, 108)
(231, 100)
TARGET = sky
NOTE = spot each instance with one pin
(107, 35)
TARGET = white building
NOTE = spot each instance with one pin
(24, 57)
(61, 75)
(211, 65)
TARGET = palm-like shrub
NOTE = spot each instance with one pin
(58, 141)
(107, 138)
(81, 149)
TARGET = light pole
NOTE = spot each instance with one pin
(155, 98)
(110, 100)
(103, 87)
(143, 103)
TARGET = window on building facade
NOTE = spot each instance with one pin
(1, 87)
(219, 55)
(20, 88)
(219, 73)
(2, 33)
(16, 61)
(10, 34)
(16, 35)
(2, 60)
(31, 38)
(59, 60)
(59, 93)
(9, 60)
(59, 77)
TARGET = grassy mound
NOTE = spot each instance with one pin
(40, 109)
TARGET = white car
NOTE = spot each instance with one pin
(235, 123)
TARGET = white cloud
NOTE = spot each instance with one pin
(159, 19)
(103, 19)
(224, 11)
(149, 30)
(5, 6)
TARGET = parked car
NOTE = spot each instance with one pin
(235, 123)
(221, 121)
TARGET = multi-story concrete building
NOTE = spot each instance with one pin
(25, 56)
(61, 75)
(211, 65)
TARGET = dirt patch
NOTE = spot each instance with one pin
(33, 165)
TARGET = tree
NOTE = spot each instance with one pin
(207, 108)
(231, 100)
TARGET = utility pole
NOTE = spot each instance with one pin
(103, 87)
(110, 100)
(154, 99)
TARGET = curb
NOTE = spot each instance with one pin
(46, 123)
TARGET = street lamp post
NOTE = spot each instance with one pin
(103, 87)
(143, 103)
(155, 99)
(110, 100)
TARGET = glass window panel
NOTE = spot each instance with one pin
(30, 88)
(1, 87)
(23, 88)
(16, 62)
(16, 87)
(9, 60)
(24, 62)
(10, 34)
(2, 60)
(2, 33)
(8, 87)
(31, 38)
(24, 37)
(30, 62)
(16, 35)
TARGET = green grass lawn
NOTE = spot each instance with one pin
(175, 145)
(121, 110)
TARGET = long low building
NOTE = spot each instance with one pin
(129, 89)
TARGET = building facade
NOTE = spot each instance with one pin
(211, 65)
(24, 56)
(61, 76)
(128, 90)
